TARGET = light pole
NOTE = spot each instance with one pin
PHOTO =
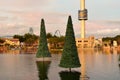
(82, 16)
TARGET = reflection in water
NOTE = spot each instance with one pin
(67, 75)
(43, 67)
(119, 66)
(83, 63)
(17, 51)
(119, 61)
(10, 52)
(82, 57)
(119, 57)
(95, 63)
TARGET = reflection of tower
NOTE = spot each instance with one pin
(43, 67)
(82, 58)
(31, 30)
(83, 62)
(82, 16)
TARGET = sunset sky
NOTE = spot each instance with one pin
(17, 16)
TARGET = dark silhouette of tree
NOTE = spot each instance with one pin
(21, 38)
(27, 38)
(2, 41)
(49, 35)
(30, 38)
(69, 57)
(116, 38)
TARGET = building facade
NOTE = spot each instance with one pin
(85, 42)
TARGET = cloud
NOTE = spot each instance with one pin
(19, 15)
(100, 28)
(25, 2)
(19, 22)
(3, 18)
(108, 31)
(12, 29)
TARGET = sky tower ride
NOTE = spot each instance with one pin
(84, 42)
(82, 16)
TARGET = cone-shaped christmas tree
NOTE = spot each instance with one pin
(43, 53)
(43, 67)
(70, 57)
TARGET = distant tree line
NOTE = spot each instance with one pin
(31, 38)
(2, 41)
(54, 38)
(27, 38)
(116, 38)
(56, 41)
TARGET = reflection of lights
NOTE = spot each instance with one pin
(96, 61)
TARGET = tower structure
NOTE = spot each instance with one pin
(82, 16)
(83, 42)
(31, 30)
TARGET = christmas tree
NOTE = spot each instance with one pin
(43, 51)
(70, 57)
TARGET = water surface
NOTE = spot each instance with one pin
(96, 65)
